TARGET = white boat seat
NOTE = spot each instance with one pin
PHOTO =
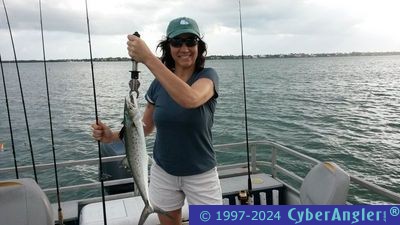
(121, 212)
(22, 202)
(325, 184)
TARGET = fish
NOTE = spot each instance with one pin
(136, 154)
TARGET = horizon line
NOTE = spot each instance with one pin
(230, 56)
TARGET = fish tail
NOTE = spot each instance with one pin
(145, 213)
(160, 211)
(148, 209)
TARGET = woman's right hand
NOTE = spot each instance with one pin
(138, 49)
(103, 133)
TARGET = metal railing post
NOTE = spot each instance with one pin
(273, 162)
(253, 150)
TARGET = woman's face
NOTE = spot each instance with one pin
(184, 50)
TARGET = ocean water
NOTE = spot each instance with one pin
(341, 109)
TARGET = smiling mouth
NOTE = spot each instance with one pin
(184, 56)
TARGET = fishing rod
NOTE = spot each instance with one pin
(103, 200)
(60, 213)
(245, 195)
(9, 119)
(22, 93)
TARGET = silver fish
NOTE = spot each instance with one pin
(136, 153)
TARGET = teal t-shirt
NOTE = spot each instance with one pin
(183, 144)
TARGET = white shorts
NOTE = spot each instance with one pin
(168, 192)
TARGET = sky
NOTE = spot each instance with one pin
(269, 26)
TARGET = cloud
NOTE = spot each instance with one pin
(269, 26)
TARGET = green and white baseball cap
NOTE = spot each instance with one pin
(182, 25)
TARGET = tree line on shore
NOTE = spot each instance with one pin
(218, 57)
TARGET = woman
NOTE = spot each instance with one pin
(181, 104)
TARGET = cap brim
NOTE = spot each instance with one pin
(183, 31)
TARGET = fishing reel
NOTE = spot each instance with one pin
(245, 198)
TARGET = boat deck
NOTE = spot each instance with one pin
(127, 211)
(232, 182)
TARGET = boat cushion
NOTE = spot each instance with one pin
(121, 212)
(22, 202)
(325, 184)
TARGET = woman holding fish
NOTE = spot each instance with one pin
(181, 104)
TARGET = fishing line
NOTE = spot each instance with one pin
(97, 118)
(22, 93)
(9, 119)
(60, 213)
(245, 105)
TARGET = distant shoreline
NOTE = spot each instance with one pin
(218, 57)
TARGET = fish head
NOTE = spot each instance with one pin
(131, 109)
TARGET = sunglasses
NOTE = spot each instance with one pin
(178, 42)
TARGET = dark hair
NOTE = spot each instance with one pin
(168, 61)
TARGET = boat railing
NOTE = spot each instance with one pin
(276, 168)
(254, 146)
(69, 163)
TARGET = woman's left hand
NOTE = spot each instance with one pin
(138, 50)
